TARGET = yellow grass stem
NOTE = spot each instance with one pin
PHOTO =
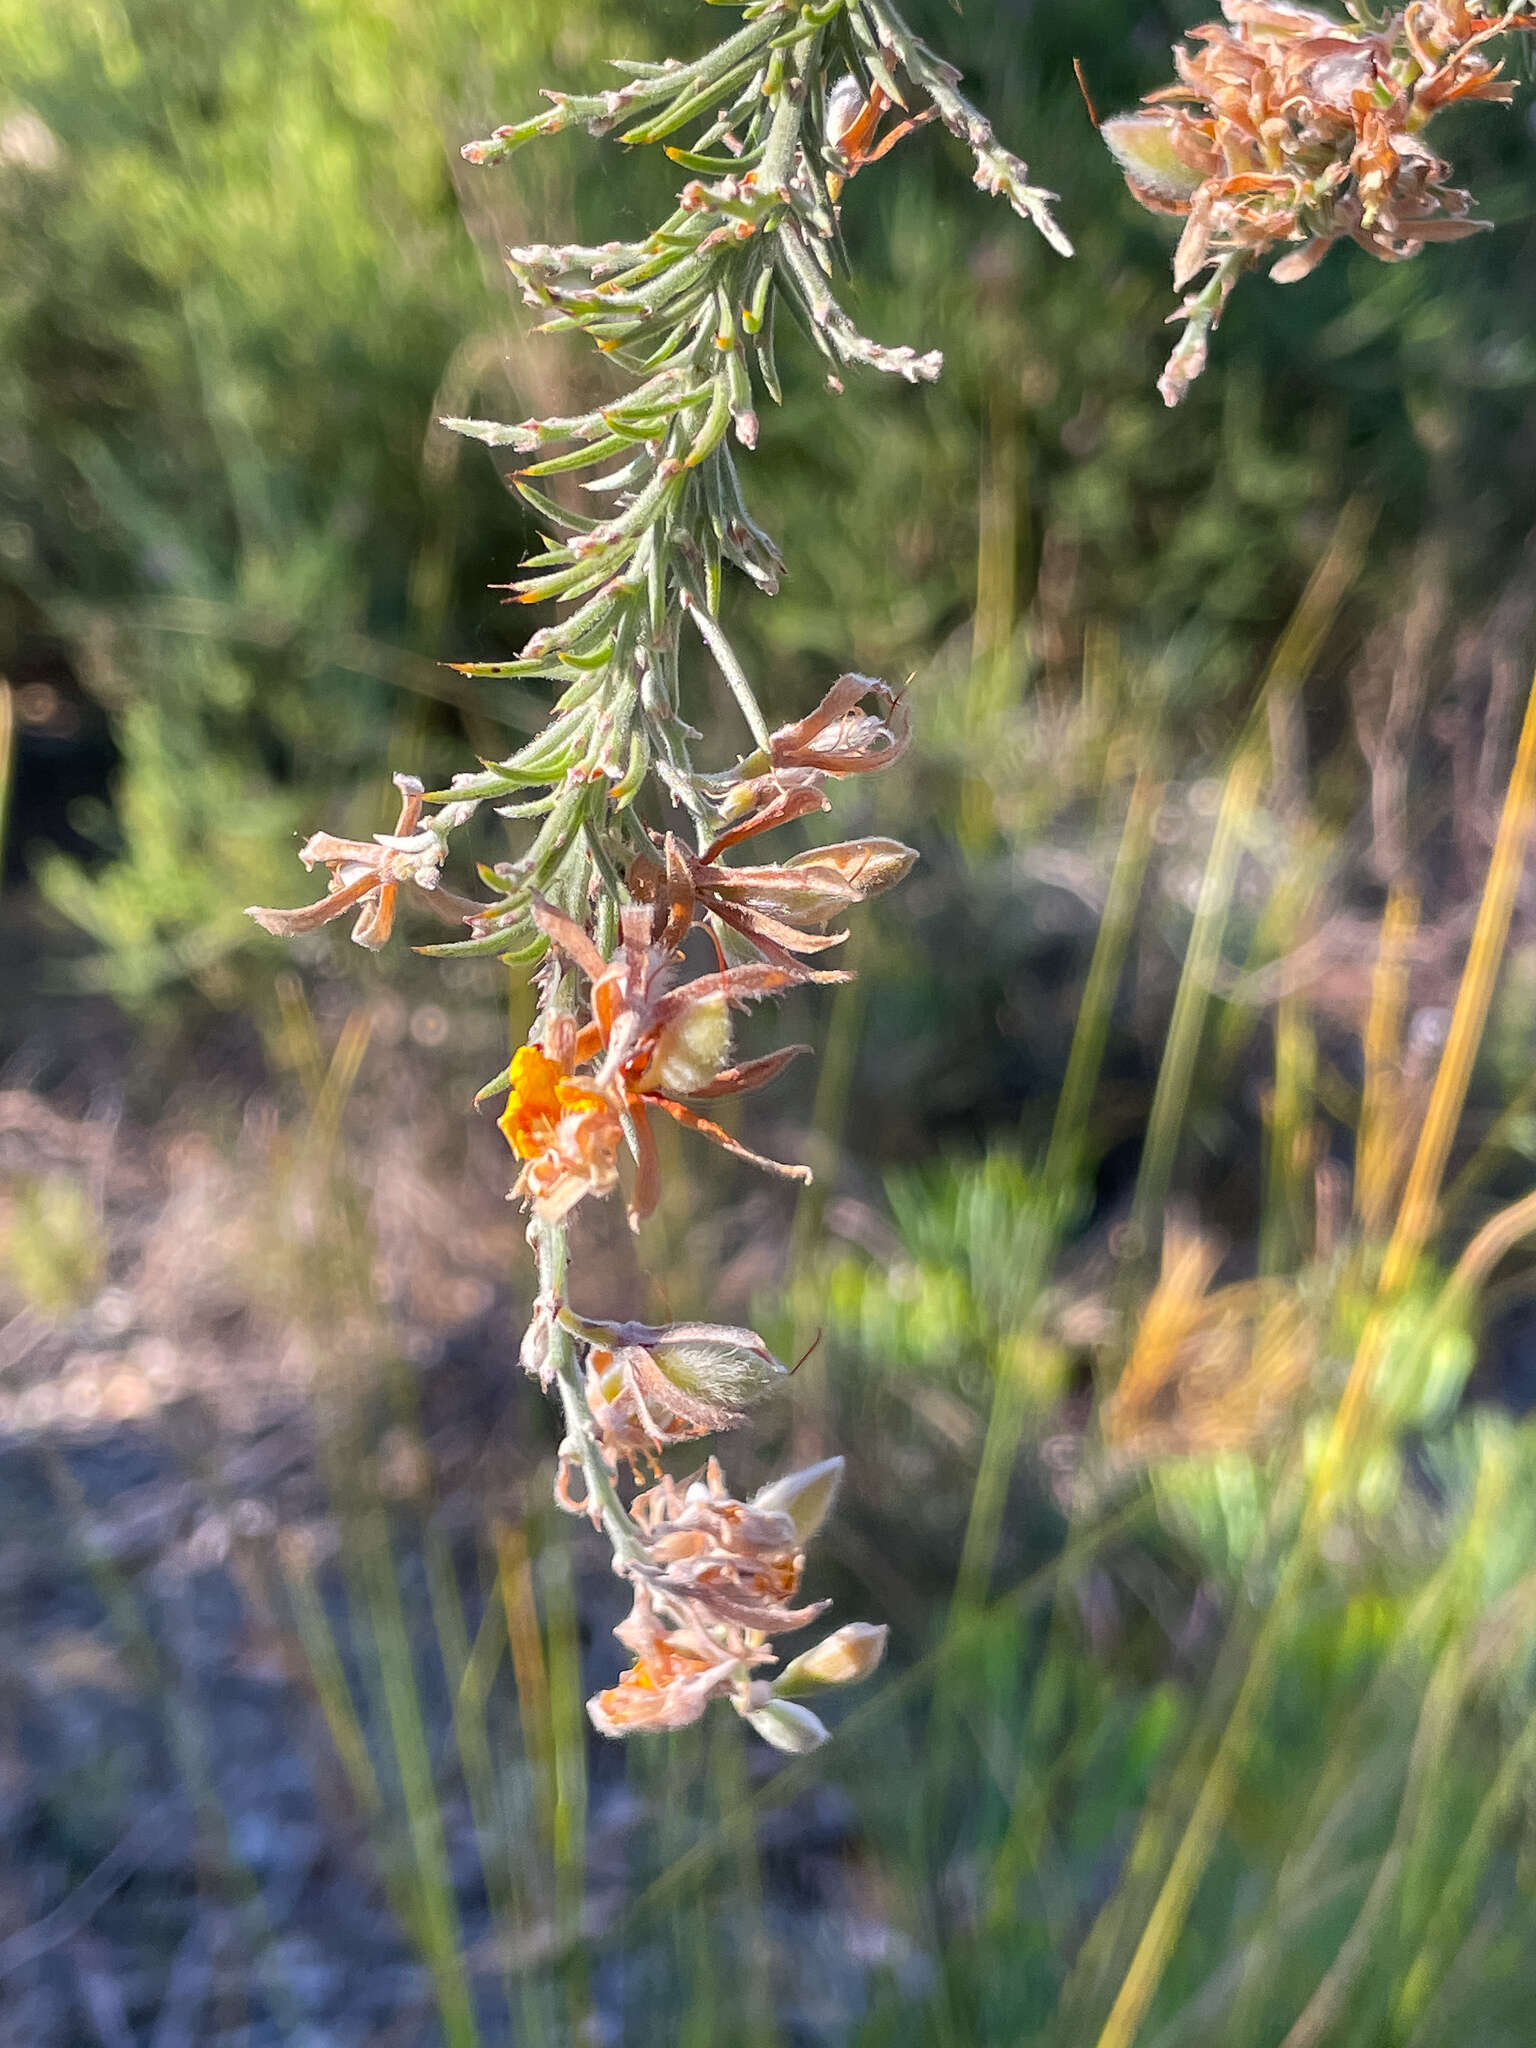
(1379, 1141)
(1416, 1214)
(1064, 1154)
(514, 1583)
(1417, 1210)
(1170, 1910)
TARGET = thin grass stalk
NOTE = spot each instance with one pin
(1302, 641)
(1379, 1143)
(1467, 1971)
(813, 1418)
(1170, 1910)
(514, 1587)
(998, 500)
(750, 2018)
(1291, 1135)
(1432, 1740)
(436, 1902)
(469, 1668)
(568, 1749)
(1416, 1214)
(1011, 1380)
(1417, 1209)
(1431, 1962)
(1337, 1800)
(1170, 1099)
(1069, 1129)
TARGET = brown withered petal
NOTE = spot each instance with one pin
(838, 738)
(675, 1675)
(729, 1560)
(367, 875)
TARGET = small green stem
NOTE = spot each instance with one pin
(550, 1249)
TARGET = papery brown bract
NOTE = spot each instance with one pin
(782, 910)
(733, 1561)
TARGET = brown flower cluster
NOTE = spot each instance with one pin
(1289, 130)
(719, 1577)
(714, 1577)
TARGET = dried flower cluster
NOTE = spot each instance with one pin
(647, 937)
(1289, 130)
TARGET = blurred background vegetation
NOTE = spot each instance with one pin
(1216, 711)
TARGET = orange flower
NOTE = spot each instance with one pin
(649, 1042)
(567, 1132)
(675, 1675)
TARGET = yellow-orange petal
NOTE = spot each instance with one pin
(533, 1102)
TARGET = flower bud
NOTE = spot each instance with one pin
(692, 1049)
(712, 1362)
(784, 1725)
(1142, 145)
(850, 1653)
(867, 866)
(715, 1361)
(805, 1496)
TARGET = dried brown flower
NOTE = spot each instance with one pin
(720, 1575)
(1289, 130)
(367, 875)
(782, 909)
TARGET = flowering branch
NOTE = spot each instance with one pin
(604, 894)
(1290, 130)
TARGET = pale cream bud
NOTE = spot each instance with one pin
(691, 1049)
(850, 1653)
(784, 1725)
(805, 1496)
